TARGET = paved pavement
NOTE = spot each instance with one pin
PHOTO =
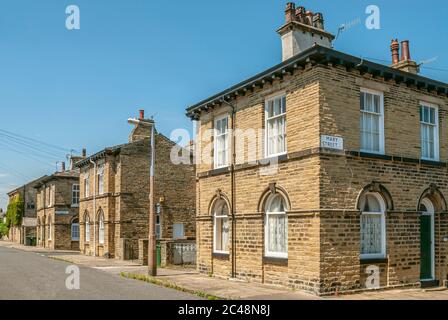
(33, 276)
(100, 279)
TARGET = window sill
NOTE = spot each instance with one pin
(275, 261)
(223, 256)
(364, 261)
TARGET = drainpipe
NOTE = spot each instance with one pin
(94, 207)
(232, 191)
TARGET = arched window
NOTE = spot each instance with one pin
(101, 228)
(87, 227)
(221, 226)
(276, 227)
(373, 226)
(75, 229)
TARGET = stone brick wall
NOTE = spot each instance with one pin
(61, 214)
(126, 200)
(323, 186)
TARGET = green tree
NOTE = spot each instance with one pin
(4, 230)
(15, 211)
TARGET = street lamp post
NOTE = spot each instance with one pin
(152, 245)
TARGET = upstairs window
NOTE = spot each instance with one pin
(101, 179)
(221, 142)
(275, 114)
(372, 121)
(86, 185)
(75, 195)
(429, 131)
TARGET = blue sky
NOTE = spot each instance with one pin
(76, 89)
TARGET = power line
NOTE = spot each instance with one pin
(31, 146)
(37, 141)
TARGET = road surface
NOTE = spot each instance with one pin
(33, 276)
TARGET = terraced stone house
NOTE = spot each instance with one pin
(25, 233)
(340, 181)
(58, 210)
(114, 205)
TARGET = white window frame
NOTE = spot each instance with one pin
(215, 142)
(87, 228)
(267, 253)
(280, 96)
(101, 229)
(73, 234)
(100, 177)
(436, 131)
(215, 229)
(381, 122)
(76, 194)
(382, 255)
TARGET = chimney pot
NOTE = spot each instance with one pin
(290, 12)
(142, 114)
(63, 166)
(318, 21)
(84, 152)
(405, 52)
(309, 18)
(301, 14)
(395, 48)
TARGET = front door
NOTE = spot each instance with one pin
(427, 241)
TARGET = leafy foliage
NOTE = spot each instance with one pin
(4, 230)
(15, 211)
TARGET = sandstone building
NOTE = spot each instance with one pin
(326, 172)
(58, 211)
(114, 205)
(25, 233)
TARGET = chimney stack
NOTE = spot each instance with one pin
(404, 63)
(395, 48)
(84, 152)
(142, 114)
(405, 53)
(290, 12)
(63, 166)
(303, 29)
